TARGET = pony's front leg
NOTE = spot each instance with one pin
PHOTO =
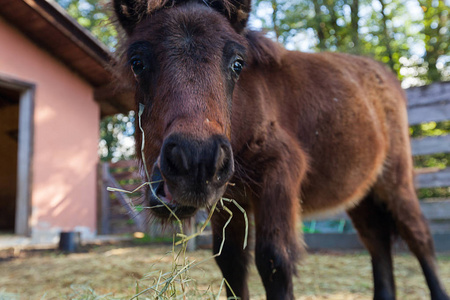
(277, 247)
(233, 258)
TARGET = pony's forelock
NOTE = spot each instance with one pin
(148, 7)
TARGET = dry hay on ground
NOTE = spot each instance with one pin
(115, 270)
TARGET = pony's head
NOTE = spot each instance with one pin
(185, 58)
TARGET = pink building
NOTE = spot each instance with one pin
(53, 92)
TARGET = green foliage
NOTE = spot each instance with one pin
(117, 137)
(436, 35)
(116, 132)
(440, 160)
(95, 16)
(434, 193)
(410, 36)
(430, 129)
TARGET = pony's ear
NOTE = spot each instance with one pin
(237, 11)
(240, 12)
(129, 12)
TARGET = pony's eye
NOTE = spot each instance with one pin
(137, 66)
(237, 66)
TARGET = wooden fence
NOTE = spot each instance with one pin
(121, 212)
(426, 104)
(121, 175)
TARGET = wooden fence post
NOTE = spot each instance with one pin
(189, 228)
(103, 201)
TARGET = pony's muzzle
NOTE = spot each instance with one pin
(202, 162)
(194, 172)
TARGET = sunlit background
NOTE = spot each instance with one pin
(410, 36)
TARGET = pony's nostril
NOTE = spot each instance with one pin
(179, 156)
(224, 164)
(221, 157)
(177, 159)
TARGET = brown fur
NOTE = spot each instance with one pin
(310, 134)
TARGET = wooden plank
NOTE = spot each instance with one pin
(126, 202)
(339, 216)
(350, 241)
(439, 227)
(332, 241)
(437, 112)
(432, 93)
(438, 210)
(431, 145)
(24, 162)
(189, 229)
(125, 164)
(341, 242)
(433, 180)
(429, 103)
(441, 242)
(429, 100)
(128, 175)
(428, 94)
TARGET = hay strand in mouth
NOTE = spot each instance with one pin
(141, 111)
(112, 189)
(187, 238)
(166, 282)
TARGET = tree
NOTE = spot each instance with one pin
(95, 16)
(354, 23)
(117, 137)
(436, 33)
(391, 31)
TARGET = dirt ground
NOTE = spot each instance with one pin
(121, 271)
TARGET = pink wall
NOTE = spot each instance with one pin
(66, 128)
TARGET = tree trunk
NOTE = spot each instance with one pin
(320, 25)
(275, 19)
(433, 36)
(354, 25)
(387, 36)
(333, 22)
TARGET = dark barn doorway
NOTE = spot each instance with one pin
(16, 143)
(9, 131)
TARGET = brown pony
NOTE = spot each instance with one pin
(228, 112)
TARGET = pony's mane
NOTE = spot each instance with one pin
(262, 50)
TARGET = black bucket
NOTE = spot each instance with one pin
(69, 241)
